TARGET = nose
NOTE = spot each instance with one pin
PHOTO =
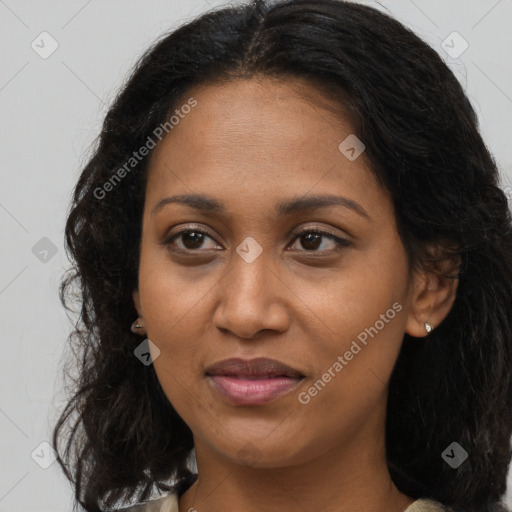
(252, 298)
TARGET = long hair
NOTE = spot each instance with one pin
(121, 437)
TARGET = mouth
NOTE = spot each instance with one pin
(252, 382)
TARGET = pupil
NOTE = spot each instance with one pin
(197, 239)
(311, 238)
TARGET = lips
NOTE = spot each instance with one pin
(254, 381)
(258, 368)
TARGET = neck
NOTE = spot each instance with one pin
(350, 476)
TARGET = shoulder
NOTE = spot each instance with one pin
(168, 503)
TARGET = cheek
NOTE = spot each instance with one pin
(360, 319)
(171, 297)
(173, 311)
(352, 372)
(176, 327)
(365, 299)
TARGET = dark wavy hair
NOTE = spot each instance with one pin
(123, 437)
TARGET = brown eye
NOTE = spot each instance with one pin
(311, 240)
(192, 239)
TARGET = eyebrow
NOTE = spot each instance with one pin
(283, 208)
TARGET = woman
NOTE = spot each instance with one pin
(294, 258)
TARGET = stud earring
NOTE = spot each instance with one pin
(428, 327)
(137, 326)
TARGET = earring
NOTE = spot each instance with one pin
(428, 327)
(136, 326)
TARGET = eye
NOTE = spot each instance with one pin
(310, 238)
(190, 239)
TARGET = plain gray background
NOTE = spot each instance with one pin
(51, 110)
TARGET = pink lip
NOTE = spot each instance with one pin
(252, 391)
(252, 368)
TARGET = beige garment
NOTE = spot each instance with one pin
(425, 505)
(169, 503)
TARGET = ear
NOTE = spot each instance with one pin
(136, 302)
(433, 293)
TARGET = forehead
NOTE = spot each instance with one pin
(256, 139)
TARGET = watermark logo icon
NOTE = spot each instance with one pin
(44, 455)
(147, 352)
(44, 250)
(249, 249)
(454, 455)
(44, 45)
(351, 147)
(454, 45)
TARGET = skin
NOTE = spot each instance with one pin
(251, 143)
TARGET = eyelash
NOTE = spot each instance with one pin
(341, 242)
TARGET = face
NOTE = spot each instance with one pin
(321, 287)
